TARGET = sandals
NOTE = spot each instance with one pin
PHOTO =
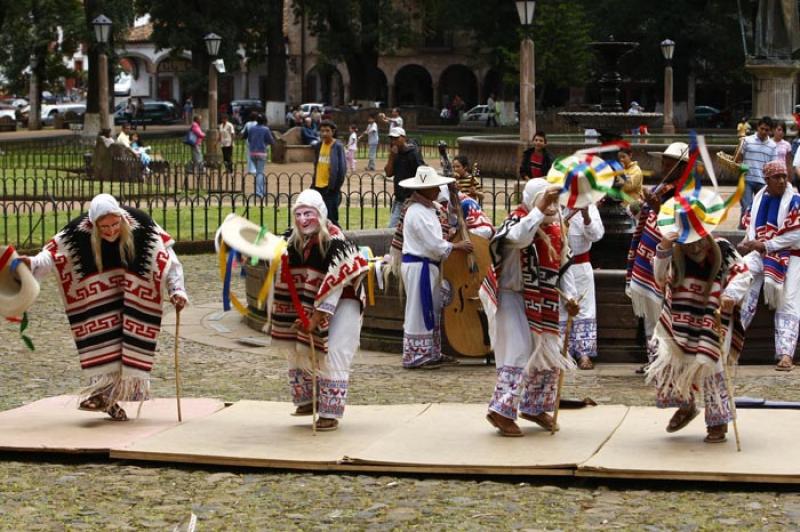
(117, 413)
(303, 410)
(784, 364)
(681, 418)
(585, 363)
(95, 403)
(325, 424)
(507, 427)
(716, 434)
(544, 420)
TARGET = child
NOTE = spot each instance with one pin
(536, 161)
(352, 146)
(141, 150)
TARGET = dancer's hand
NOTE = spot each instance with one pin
(464, 245)
(726, 304)
(668, 240)
(585, 214)
(572, 307)
(179, 301)
(747, 246)
(549, 197)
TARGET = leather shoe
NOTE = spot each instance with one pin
(544, 420)
(507, 427)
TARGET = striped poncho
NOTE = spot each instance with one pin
(114, 315)
(688, 341)
(639, 277)
(314, 277)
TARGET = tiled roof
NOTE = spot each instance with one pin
(140, 33)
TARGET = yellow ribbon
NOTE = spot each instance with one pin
(273, 267)
(370, 276)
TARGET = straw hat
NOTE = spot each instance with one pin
(585, 178)
(676, 150)
(18, 289)
(705, 212)
(242, 235)
(426, 177)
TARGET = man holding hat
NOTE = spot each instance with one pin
(404, 159)
(424, 248)
(529, 251)
(319, 297)
(703, 280)
(113, 264)
(641, 287)
(772, 252)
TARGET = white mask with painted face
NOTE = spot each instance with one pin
(306, 219)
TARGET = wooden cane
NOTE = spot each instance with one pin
(728, 382)
(565, 354)
(177, 366)
(313, 386)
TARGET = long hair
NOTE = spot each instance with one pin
(126, 247)
(298, 240)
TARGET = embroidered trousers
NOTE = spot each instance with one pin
(583, 335)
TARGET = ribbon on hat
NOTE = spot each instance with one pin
(226, 258)
(5, 259)
(273, 267)
(366, 252)
(587, 159)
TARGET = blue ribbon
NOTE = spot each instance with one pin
(425, 293)
(226, 284)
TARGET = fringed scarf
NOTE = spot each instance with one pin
(314, 276)
(114, 315)
(542, 263)
(688, 347)
(774, 217)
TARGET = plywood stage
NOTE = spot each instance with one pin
(604, 441)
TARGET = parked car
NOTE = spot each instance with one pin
(8, 111)
(17, 103)
(307, 108)
(155, 112)
(479, 114)
(706, 116)
(245, 107)
(50, 111)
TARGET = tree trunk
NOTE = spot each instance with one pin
(363, 70)
(690, 95)
(276, 60)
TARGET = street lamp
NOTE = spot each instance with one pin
(213, 42)
(34, 119)
(102, 31)
(527, 86)
(667, 49)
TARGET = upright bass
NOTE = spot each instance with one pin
(466, 327)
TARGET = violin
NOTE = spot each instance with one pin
(465, 325)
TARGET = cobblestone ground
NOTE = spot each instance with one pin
(42, 493)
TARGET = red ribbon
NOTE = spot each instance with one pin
(6, 256)
(286, 277)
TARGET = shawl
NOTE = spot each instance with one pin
(639, 279)
(114, 315)
(315, 276)
(474, 217)
(541, 275)
(688, 346)
(774, 217)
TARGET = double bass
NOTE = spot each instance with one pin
(465, 325)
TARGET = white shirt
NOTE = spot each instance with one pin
(519, 237)
(352, 142)
(372, 133)
(395, 122)
(422, 234)
(124, 139)
(226, 132)
(580, 235)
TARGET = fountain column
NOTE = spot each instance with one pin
(527, 93)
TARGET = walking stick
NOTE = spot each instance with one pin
(313, 386)
(728, 383)
(564, 354)
(177, 366)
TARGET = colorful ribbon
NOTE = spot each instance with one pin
(286, 277)
(273, 267)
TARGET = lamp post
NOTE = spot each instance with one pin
(34, 113)
(102, 31)
(213, 42)
(667, 49)
(527, 86)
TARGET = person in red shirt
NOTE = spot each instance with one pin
(536, 161)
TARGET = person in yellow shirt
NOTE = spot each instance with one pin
(330, 167)
(633, 174)
(743, 128)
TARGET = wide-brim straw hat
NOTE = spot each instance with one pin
(249, 239)
(584, 178)
(18, 289)
(677, 150)
(695, 216)
(426, 177)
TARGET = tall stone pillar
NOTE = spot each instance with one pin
(774, 87)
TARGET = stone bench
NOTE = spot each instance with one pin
(289, 148)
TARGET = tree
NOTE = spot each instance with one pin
(356, 32)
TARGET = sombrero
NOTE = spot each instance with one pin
(18, 289)
(584, 178)
(426, 177)
(692, 215)
(248, 238)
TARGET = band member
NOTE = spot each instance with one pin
(585, 228)
(113, 264)
(529, 252)
(699, 275)
(320, 280)
(424, 247)
(772, 252)
(476, 221)
(640, 283)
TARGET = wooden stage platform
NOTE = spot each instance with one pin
(613, 441)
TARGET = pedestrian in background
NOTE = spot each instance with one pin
(226, 133)
(259, 137)
(352, 147)
(330, 167)
(372, 141)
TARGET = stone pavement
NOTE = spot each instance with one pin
(43, 493)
